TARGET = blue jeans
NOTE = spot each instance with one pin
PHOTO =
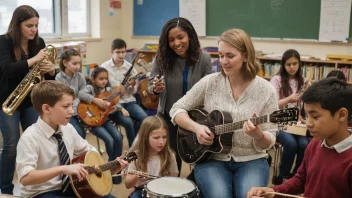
(292, 144)
(137, 114)
(111, 137)
(10, 130)
(75, 123)
(59, 194)
(137, 193)
(227, 179)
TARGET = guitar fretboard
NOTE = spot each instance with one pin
(230, 127)
(115, 94)
(103, 167)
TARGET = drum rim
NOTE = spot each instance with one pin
(192, 193)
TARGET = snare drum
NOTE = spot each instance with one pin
(165, 187)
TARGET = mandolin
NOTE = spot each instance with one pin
(222, 126)
(98, 183)
(92, 114)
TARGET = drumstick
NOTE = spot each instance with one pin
(281, 194)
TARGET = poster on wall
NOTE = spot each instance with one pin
(194, 11)
(115, 3)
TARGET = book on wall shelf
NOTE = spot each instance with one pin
(313, 68)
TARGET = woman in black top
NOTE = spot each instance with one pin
(20, 49)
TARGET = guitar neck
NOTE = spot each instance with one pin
(230, 127)
(117, 93)
(104, 167)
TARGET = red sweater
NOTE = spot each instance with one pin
(323, 173)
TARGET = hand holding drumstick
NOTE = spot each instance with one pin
(158, 84)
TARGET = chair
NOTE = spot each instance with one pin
(278, 148)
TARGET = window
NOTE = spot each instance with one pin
(58, 18)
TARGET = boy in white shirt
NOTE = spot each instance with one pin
(41, 167)
(130, 115)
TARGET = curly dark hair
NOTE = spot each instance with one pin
(165, 55)
(285, 86)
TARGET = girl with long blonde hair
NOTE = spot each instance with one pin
(154, 155)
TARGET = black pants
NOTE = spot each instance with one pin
(173, 139)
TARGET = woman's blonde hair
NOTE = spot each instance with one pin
(142, 147)
(240, 40)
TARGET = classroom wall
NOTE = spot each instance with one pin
(121, 25)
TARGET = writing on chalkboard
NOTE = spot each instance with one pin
(276, 4)
(334, 20)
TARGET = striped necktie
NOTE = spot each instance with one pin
(64, 159)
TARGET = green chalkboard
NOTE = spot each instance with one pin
(265, 18)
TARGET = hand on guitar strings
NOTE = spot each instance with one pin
(103, 104)
(122, 90)
(259, 191)
(123, 164)
(75, 169)
(252, 130)
(158, 85)
(132, 83)
(204, 135)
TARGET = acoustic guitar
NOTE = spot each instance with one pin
(222, 126)
(148, 100)
(99, 182)
(92, 114)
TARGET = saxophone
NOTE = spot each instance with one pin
(33, 77)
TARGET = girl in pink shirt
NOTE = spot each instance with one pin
(288, 83)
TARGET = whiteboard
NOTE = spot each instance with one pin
(334, 20)
(194, 11)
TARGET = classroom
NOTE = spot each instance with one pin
(175, 98)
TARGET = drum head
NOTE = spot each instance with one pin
(170, 186)
(7, 196)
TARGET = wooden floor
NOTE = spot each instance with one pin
(120, 189)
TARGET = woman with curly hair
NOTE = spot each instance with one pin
(182, 63)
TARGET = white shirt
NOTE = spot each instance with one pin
(153, 167)
(214, 93)
(341, 146)
(37, 149)
(116, 76)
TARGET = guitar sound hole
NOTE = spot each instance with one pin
(99, 174)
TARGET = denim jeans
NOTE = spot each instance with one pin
(111, 137)
(75, 123)
(132, 122)
(11, 134)
(292, 144)
(137, 193)
(58, 194)
(227, 179)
